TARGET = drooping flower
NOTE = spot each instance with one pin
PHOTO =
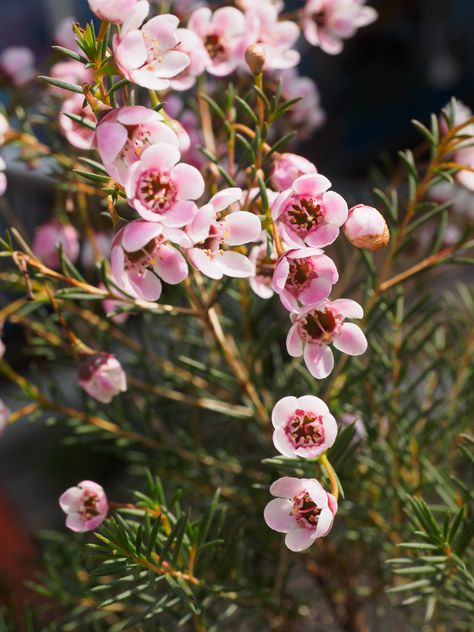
(85, 505)
(101, 375)
(211, 230)
(123, 134)
(315, 328)
(3, 177)
(303, 277)
(303, 426)
(18, 64)
(115, 11)
(366, 228)
(264, 266)
(77, 134)
(147, 56)
(307, 213)
(287, 167)
(51, 235)
(141, 258)
(161, 188)
(326, 23)
(4, 414)
(222, 34)
(302, 509)
(190, 44)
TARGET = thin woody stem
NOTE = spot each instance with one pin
(331, 474)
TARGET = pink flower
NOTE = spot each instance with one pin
(304, 276)
(85, 505)
(91, 255)
(307, 114)
(210, 231)
(366, 228)
(264, 267)
(115, 11)
(302, 509)
(77, 134)
(307, 213)
(101, 376)
(4, 414)
(51, 235)
(3, 177)
(287, 167)
(276, 37)
(161, 188)
(147, 56)
(192, 45)
(316, 327)
(72, 72)
(360, 432)
(326, 23)
(141, 258)
(123, 134)
(64, 35)
(4, 129)
(110, 305)
(303, 426)
(465, 156)
(188, 130)
(17, 63)
(222, 34)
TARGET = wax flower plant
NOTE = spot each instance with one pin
(256, 349)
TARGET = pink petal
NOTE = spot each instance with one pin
(131, 51)
(347, 308)
(316, 491)
(280, 275)
(170, 265)
(148, 77)
(282, 443)
(283, 410)
(235, 265)
(200, 21)
(335, 208)
(313, 404)
(279, 202)
(325, 521)
(111, 137)
(146, 285)
(330, 431)
(69, 500)
(229, 20)
(322, 235)
(311, 184)
(318, 290)
(138, 234)
(329, 44)
(294, 344)
(172, 63)
(299, 539)
(278, 515)
(133, 114)
(179, 214)
(201, 224)
(137, 16)
(161, 156)
(351, 340)
(188, 180)
(76, 523)
(319, 360)
(241, 228)
(220, 201)
(287, 487)
(205, 263)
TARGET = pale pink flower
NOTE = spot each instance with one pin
(141, 258)
(123, 134)
(460, 113)
(64, 35)
(3, 177)
(287, 167)
(307, 213)
(4, 414)
(161, 188)
(366, 228)
(101, 375)
(264, 264)
(185, 123)
(115, 11)
(48, 237)
(275, 37)
(85, 505)
(222, 34)
(147, 56)
(72, 72)
(77, 134)
(248, 5)
(302, 509)
(110, 307)
(4, 129)
(18, 64)
(326, 23)
(190, 44)
(315, 328)
(304, 426)
(210, 231)
(304, 277)
(307, 114)
(465, 156)
(90, 254)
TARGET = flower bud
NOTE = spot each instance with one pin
(255, 58)
(366, 228)
(287, 167)
(101, 376)
(85, 505)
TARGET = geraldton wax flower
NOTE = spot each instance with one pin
(315, 328)
(101, 376)
(302, 509)
(114, 11)
(304, 427)
(85, 505)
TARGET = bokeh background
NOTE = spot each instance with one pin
(406, 65)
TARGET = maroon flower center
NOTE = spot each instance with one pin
(214, 46)
(143, 258)
(305, 510)
(320, 19)
(156, 190)
(264, 268)
(319, 325)
(90, 364)
(213, 240)
(303, 214)
(305, 429)
(300, 275)
(88, 507)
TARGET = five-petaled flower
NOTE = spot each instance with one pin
(85, 505)
(302, 509)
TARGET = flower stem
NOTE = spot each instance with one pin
(331, 473)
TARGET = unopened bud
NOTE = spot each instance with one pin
(101, 376)
(366, 228)
(255, 58)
